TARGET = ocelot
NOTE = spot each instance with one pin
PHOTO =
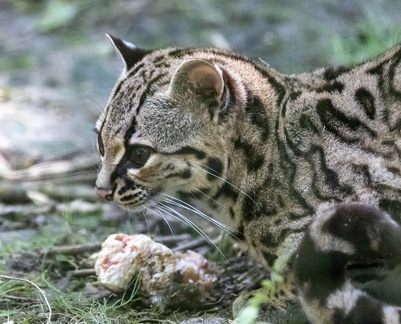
(304, 170)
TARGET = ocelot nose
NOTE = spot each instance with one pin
(104, 193)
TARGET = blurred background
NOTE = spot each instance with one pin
(57, 69)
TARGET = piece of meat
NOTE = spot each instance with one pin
(166, 278)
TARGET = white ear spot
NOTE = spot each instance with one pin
(130, 45)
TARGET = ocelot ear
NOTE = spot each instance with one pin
(199, 86)
(129, 53)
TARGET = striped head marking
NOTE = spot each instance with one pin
(161, 131)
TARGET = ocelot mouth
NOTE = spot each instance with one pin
(130, 194)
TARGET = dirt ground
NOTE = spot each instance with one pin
(56, 70)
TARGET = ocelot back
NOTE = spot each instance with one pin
(305, 169)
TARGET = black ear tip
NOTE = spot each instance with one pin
(128, 52)
(113, 39)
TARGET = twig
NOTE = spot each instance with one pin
(81, 272)
(82, 248)
(72, 249)
(154, 320)
(172, 238)
(51, 169)
(21, 299)
(191, 245)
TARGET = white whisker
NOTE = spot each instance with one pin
(162, 216)
(170, 211)
(180, 203)
(147, 222)
(175, 214)
(206, 195)
(224, 180)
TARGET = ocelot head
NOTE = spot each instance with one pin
(164, 129)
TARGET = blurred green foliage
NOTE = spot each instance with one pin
(290, 35)
(57, 14)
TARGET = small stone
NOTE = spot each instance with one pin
(78, 205)
(38, 198)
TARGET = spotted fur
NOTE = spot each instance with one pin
(281, 159)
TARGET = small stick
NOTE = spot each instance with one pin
(191, 245)
(171, 238)
(154, 320)
(21, 299)
(81, 272)
(72, 249)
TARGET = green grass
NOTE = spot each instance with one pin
(40, 298)
(22, 292)
(249, 314)
(71, 300)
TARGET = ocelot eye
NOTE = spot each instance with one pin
(139, 155)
